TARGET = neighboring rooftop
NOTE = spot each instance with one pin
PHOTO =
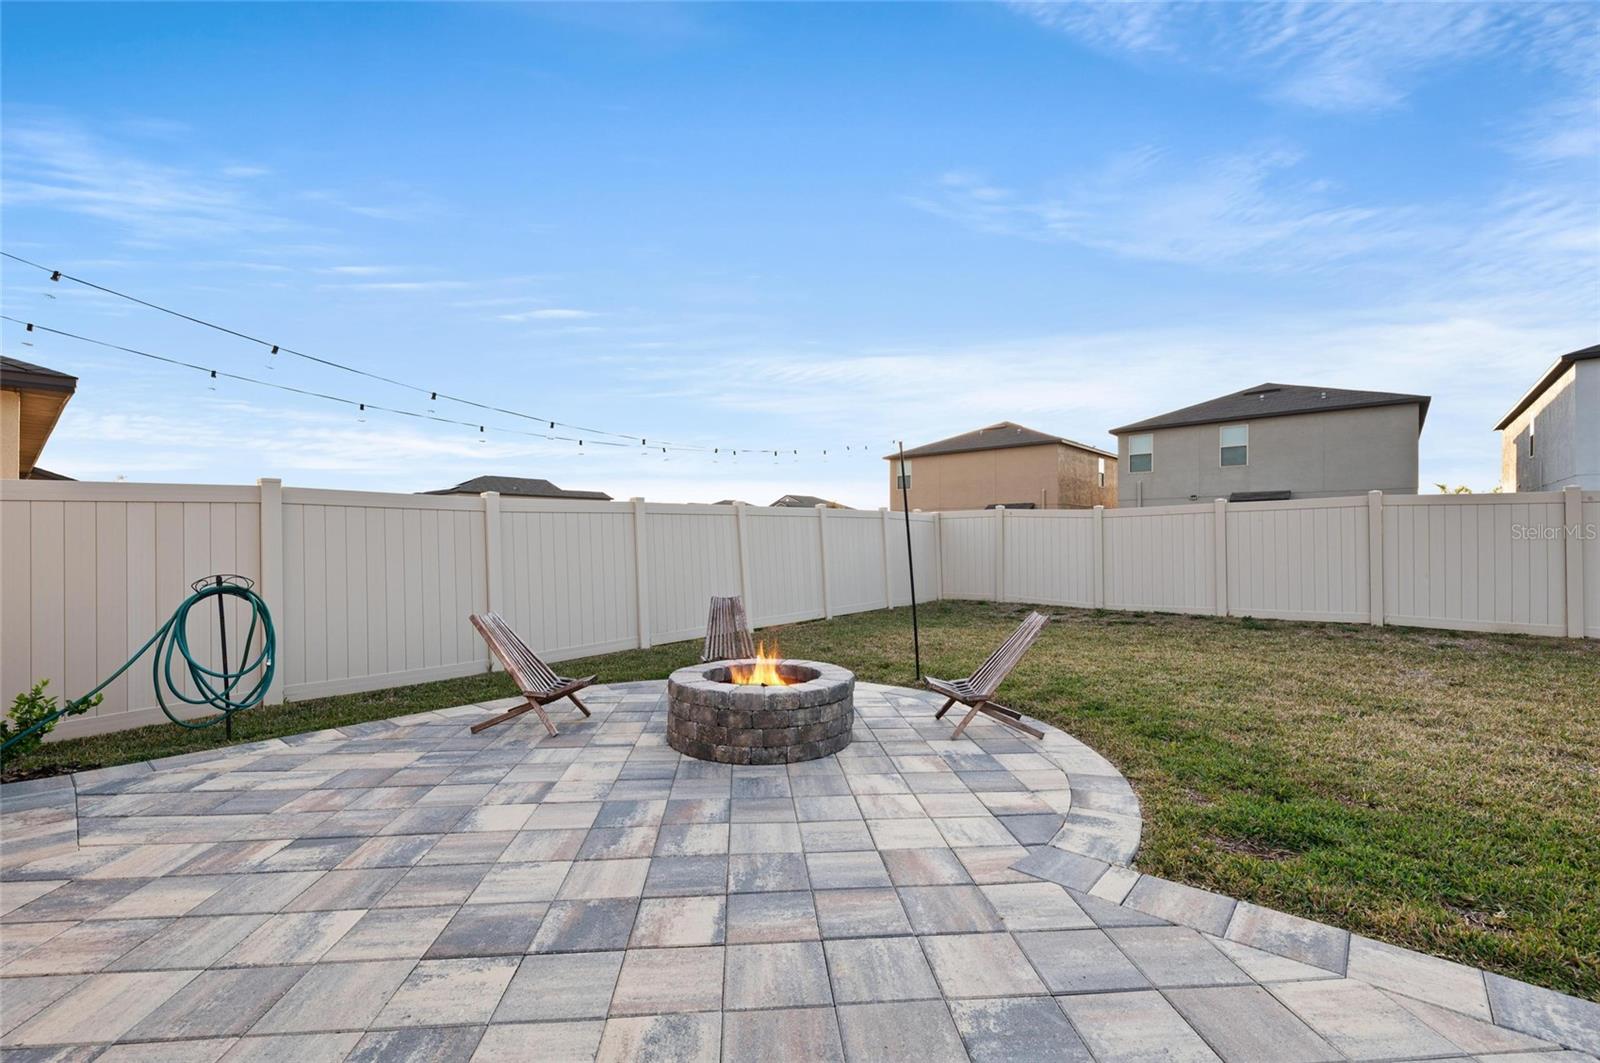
(41, 395)
(1551, 375)
(995, 437)
(517, 487)
(1277, 400)
(807, 502)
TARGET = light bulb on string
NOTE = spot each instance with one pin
(213, 385)
(433, 397)
(481, 440)
(272, 357)
(361, 413)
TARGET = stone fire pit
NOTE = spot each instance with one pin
(712, 718)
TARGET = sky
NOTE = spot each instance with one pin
(775, 227)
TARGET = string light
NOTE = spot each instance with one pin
(58, 275)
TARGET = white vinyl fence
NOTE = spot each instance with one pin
(1515, 563)
(372, 590)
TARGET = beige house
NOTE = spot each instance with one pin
(31, 400)
(1007, 465)
(1551, 437)
(1273, 441)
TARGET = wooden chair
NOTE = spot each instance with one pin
(727, 632)
(533, 677)
(977, 690)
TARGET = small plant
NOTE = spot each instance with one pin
(31, 707)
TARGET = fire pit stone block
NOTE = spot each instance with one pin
(712, 719)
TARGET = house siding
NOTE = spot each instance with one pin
(1565, 422)
(1049, 476)
(1313, 455)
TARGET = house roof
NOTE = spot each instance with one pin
(807, 501)
(1551, 375)
(518, 487)
(1277, 400)
(44, 393)
(995, 437)
(17, 375)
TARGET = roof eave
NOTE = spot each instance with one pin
(1557, 369)
(1421, 401)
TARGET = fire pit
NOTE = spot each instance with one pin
(760, 711)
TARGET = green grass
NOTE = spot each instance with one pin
(1434, 789)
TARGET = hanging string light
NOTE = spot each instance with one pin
(275, 349)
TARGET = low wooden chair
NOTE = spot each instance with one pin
(533, 677)
(978, 689)
(727, 632)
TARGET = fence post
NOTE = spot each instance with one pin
(1220, 510)
(641, 588)
(491, 560)
(1572, 496)
(1000, 554)
(888, 582)
(822, 550)
(272, 577)
(938, 553)
(1375, 557)
(1098, 552)
(742, 534)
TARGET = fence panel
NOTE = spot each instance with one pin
(1049, 556)
(1160, 559)
(568, 576)
(1476, 562)
(1299, 560)
(785, 555)
(855, 561)
(692, 554)
(88, 572)
(968, 542)
(377, 588)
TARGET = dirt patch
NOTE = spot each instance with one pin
(1246, 847)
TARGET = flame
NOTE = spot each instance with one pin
(764, 672)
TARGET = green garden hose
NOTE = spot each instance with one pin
(222, 689)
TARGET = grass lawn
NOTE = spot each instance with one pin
(1434, 789)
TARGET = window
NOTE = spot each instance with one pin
(1102, 472)
(1530, 440)
(1141, 453)
(903, 481)
(1235, 442)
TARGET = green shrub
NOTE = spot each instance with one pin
(31, 707)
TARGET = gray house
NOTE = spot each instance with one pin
(517, 487)
(1551, 437)
(1272, 441)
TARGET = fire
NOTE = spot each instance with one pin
(763, 673)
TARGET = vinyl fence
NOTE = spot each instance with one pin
(372, 590)
(1514, 563)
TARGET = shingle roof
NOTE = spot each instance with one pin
(994, 437)
(1551, 375)
(1276, 400)
(807, 501)
(25, 376)
(517, 486)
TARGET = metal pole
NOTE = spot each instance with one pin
(911, 563)
(222, 635)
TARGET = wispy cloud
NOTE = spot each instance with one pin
(1334, 56)
(61, 166)
(1250, 207)
(549, 313)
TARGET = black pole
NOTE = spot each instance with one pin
(911, 563)
(222, 635)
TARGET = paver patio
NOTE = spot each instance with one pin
(404, 890)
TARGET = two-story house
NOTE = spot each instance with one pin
(1008, 465)
(1273, 441)
(1551, 437)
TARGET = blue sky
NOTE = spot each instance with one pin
(792, 227)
